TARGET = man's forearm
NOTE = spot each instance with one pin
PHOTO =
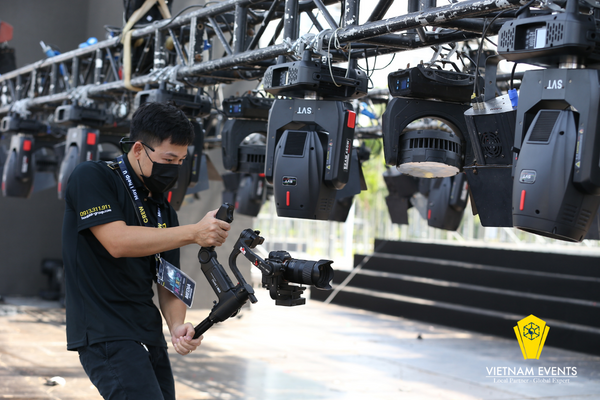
(172, 308)
(122, 240)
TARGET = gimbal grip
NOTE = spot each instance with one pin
(225, 212)
(202, 327)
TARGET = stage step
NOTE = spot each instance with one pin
(477, 291)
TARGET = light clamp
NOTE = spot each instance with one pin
(559, 39)
(431, 83)
(248, 107)
(301, 78)
(193, 105)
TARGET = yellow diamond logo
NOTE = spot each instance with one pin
(531, 333)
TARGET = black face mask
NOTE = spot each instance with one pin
(163, 176)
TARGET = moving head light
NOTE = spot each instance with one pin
(424, 92)
(15, 124)
(19, 167)
(345, 196)
(239, 153)
(251, 194)
(401, 188)
(81, 145)
(446, 202)
(299, 78)
(309, 146)
(248, 107)
(309, 141)
(431, 83)
(559, 40)
(556, 185)
(424, 153)
(546, 200)
(249, 116)
(75, 114)
(191, 170)
(248, 192)
(491, 128)
(193, 105)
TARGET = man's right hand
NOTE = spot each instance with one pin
(211, 231)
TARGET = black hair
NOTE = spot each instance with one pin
(153, 123)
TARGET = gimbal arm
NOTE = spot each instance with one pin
(249, 239)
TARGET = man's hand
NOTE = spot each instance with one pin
(211, 231)
(181, 337)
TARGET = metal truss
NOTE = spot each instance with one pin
(177, 51)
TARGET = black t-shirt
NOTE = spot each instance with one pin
(109, 298)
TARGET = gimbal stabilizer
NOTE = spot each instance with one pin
(277, 271)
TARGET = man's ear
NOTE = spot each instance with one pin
(137, 149)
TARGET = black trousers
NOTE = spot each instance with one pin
(124, 369)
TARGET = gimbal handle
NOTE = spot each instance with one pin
(231, 298)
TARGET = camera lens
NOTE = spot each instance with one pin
(317, 273)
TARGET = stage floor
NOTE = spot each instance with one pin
(315, 351)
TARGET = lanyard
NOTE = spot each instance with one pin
(135, 196)
(138, 202)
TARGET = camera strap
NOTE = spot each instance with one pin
(167, 275)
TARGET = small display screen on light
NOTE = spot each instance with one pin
(403, 83)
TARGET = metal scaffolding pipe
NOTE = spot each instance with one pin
(431, 17)
(380, 9)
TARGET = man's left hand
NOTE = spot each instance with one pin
(181, 337)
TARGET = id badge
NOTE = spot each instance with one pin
(175, 281)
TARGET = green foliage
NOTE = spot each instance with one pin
(373, 171)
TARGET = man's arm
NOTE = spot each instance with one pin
(122, 240)
(174, 311)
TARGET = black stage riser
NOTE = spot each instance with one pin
(511, 303)
(576, 340)
(575, 287)
(478, 289)
(529, 260)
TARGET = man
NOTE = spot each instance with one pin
(112, 248)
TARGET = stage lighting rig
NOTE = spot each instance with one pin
(491, 127)
(306, 77)
(251, 194)
(431, 83)
(446, 202)
(426, 92)
(81, 145)
(401, 188)
(249, 114)
(345, 197)
(556, 186)
(248, 107)
(19, 167)
(309, 148)
(425, 153)
(76, 114)
(309, 141)
(247, 191)
(191, 173)
(193, 105)
(13, 123)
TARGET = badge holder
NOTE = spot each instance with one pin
(175, 281)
